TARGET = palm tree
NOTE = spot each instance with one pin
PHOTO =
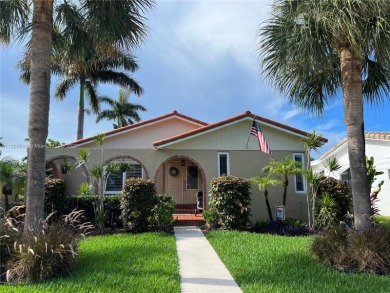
(120, 23)
(310, 49)
(12, 175)
(311, 143)
(122, 111)
(263, 184)
(285, 168)
(86, 65)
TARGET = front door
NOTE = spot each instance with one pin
(181, 182)
(174, 184)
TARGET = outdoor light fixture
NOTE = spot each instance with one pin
(183, 163)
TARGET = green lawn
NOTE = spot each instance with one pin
(383, 220)
(268, 263)
(118, 263)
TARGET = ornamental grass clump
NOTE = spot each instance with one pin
(354, 251)
(231, 197)
(49, 253)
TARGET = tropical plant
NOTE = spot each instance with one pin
(345, 46)
(371, 171)
(328, 211)
(122, 111)
(312, 143)
(285, 168)
(65, 166)
(119, 23)
(161, 217)
(12, 176)
(211, 217)
(263, 184)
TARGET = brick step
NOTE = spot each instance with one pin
(191, 220)
(185, 211)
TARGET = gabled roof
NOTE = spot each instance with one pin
(136, 126)
(367, 135)
(214, 126)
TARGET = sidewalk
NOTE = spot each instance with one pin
(201, 270)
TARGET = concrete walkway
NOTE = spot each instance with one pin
(201, 270)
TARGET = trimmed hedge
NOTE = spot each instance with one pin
(137, 201)
(231, 197)
(55, 197)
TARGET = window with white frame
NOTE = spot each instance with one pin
(115, 182)
(223, 164)
(300, 184)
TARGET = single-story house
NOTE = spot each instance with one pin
(182, 155)
(378, 147)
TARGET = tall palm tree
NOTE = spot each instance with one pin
(122, 111)
(285, 168)
(87, 64)
(264, 183)
(310, 49)
(120, 23)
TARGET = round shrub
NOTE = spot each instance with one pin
(336, 191)
(354, 251)
(231, 197)
(137, 201)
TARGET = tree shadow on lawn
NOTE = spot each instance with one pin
(297, 272)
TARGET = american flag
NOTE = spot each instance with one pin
(263, 145)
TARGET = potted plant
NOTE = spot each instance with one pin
(65, 166)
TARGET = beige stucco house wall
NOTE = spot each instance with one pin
(178, 141)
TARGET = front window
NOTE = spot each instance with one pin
(192, 177)
(223, 164)
(300, 184)
(115, 182)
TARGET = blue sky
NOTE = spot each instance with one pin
(201, 59)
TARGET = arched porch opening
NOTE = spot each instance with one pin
(181, 177)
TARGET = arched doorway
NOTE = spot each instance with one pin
(181, 178)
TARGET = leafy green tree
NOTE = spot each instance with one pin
(120, 23)
(284, 168)
(311, 49)
(263, 184)
(122, 111)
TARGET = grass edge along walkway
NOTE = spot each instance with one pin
(270, 263)
(144, 262)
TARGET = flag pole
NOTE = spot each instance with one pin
(250, 132)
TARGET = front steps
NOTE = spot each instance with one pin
(186, 215)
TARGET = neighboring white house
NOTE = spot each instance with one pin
(377, 146)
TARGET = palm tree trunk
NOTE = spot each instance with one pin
(268, 206)
(353, 117)
(38, 123)
(285, 185)
(80, 114)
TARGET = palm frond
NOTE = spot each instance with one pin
(64, 85)
(118, 78)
